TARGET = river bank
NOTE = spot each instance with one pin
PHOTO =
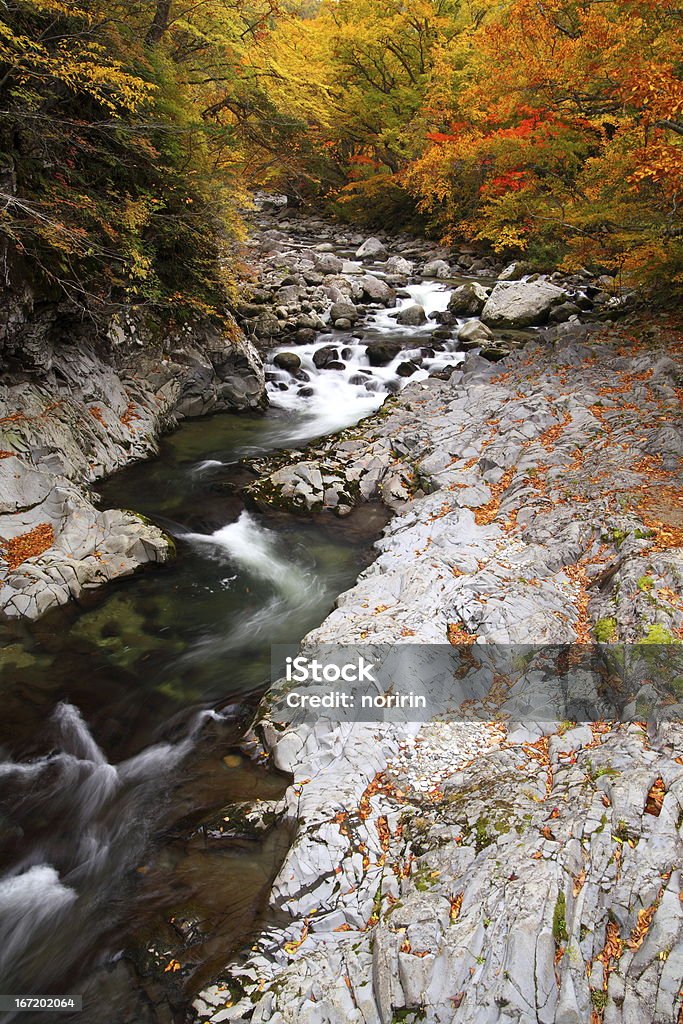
(477, 872)
(74, 408)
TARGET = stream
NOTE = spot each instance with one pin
(126, 874)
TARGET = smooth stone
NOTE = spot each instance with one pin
(413, 316)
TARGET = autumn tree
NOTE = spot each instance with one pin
(131, 132)
(572, 150)
(123, 162)
(356, 75)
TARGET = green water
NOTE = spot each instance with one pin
(196, 632)
(135, 663)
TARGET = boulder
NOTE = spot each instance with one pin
(475, 332)
(413, 316)
(343, 311)
(335, 295)
(309, 322)
(377, 291)
(407, 369)
(494, 353)
(521, 303)
(325, 355)
(287, 361)
(444, 318)
(267, 325)
(380, 353)
(400, 266)
(340, 283)
(289, 295)
(328, 263)
(305, 336)
(515, 271)
(468, 300)
(372, 249)
(445, 373)
(560, 314)
(436, 268)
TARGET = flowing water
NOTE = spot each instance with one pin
(331, 399)
(126, 873)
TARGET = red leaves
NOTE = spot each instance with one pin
(28, 545)
(511, 181)
(640, 930)
(655, 798)
(486, 514)
(458, 635)
(441, 137)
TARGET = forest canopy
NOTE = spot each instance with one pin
(132, 132)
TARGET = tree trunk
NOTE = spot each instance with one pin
(160, 23)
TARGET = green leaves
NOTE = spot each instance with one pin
(124, 145)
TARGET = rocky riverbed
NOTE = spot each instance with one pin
(485, 872)
(75, 404)
(529, 451)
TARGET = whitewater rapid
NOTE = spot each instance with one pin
(325, 401)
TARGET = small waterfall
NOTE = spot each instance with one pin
(256, 551)
(292, 586)
(74, 734)
(32, 908)
(432, 296)
(47, 928)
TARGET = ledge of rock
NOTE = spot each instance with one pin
(73, 410)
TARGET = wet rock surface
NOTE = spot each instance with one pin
(473, 872)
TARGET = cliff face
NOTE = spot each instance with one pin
(78, 402)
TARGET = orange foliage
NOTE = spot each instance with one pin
(28, 545)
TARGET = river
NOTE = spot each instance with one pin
(127, 874)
